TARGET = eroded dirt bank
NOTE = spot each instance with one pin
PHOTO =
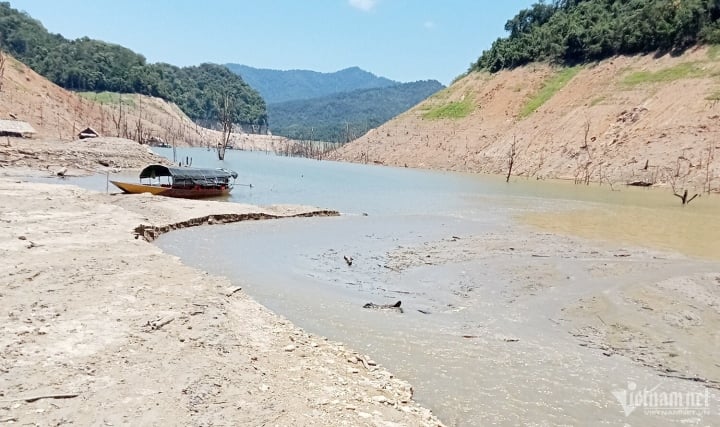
(626, 119)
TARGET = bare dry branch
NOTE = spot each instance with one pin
(2, 69)
(672, 179)
(225, 117)
(512, 153)
(708, 165)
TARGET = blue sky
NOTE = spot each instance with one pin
(404, 40)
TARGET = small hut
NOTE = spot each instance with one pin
(156, 141)
(88, 133)
(16, 128)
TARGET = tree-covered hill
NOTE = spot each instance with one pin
(346, 116)
(289, 85)
(577, 31)
(92, 65)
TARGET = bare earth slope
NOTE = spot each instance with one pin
(58, 114)
(668, 122)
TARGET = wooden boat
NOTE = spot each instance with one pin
(185, 182)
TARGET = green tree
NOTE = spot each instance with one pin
(92, 65)
(574, 31)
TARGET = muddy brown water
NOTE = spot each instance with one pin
(652, 218)
(483, 270)
(482, 339)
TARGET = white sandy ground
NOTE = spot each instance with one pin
(137, 338)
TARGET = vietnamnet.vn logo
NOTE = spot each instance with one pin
(654, 401)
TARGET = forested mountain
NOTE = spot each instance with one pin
(577, 31)
(280, 86)
(93, 65)
(344, 117)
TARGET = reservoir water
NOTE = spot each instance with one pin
(484, 271)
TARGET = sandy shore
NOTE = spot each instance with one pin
(102, 328)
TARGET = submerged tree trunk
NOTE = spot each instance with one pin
(225, 117)
(511, 159)
(684, 197)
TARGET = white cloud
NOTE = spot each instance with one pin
(364, 5)
(429, 25)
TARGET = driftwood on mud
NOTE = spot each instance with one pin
(231, 291)
(156, 324)
(395, 306)
(43, 396)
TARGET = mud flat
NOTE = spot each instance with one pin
(503, 323)
(99, 327)
(659, 309)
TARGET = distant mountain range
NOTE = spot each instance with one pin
(334, 107)
(346, 116)
(280, 86)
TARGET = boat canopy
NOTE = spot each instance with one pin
(154, 171)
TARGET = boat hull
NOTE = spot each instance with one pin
(185, 193)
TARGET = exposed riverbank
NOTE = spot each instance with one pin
(129, 335)
(495, 311)
(612, 122)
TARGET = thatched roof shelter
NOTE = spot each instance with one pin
(16, 128)
(88, 133)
